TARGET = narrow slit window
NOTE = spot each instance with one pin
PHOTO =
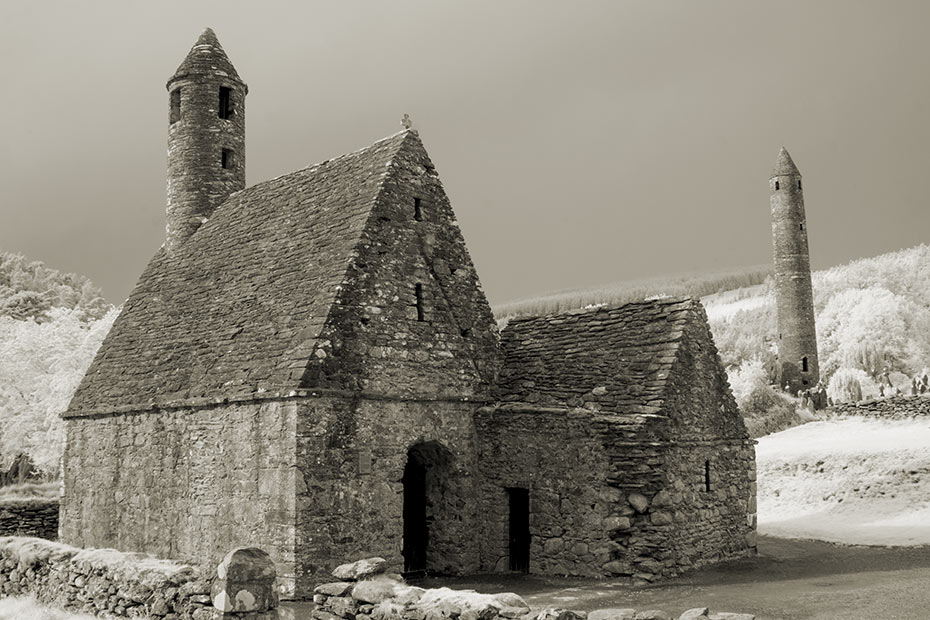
(418, 291)
(801, 226)
(175, 114)
(799, 183)
(776, 185)
(707, 475)
(417, 210)
(226, 159)
(804, 364)
(226, 109)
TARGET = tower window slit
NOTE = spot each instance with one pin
(418, 291)
(707, 475)
(175, 114)
(417, 210)
(799, 183)
(804, 364)
(225, 109)
(776, 185)
(226, 159)
(801, 226)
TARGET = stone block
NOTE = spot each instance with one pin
(694, 614)
(728, 615)
(652, 614)
(356, 571)
(612, 613)
(336, 588)
(638, 501)
(245, 582)
(374, 591)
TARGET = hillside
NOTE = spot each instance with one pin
(851, 480)
(51, 325)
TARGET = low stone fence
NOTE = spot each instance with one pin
(366, 592)
(113, 584)
(893, 407)
(29, 517)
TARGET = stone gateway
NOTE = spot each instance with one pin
(309, 366)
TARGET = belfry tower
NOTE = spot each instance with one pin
(206, 137)
(797, 339)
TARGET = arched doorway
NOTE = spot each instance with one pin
(427, 484)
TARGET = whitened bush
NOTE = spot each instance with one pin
(849, 385)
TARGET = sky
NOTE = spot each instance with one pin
(580, 143)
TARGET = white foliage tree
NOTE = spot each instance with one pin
(41, 364)
(874, 330)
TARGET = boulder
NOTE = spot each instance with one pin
(336, 588)
(694, 614)
(356, 571)
(652, 614)
(374, 591)
(728, 615)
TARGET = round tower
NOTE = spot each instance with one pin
(798, 368)
(206, 137)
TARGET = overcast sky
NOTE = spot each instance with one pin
(580, 143)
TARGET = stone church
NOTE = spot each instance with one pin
(309, 365)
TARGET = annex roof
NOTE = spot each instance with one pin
(237, 310)
(612, 359)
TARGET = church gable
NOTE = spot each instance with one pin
(411, 318)
(236, 311)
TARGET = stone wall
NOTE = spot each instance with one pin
(186, 484)
(351, 457)
(29, 517)
(559, 459)
(102, 581)
(895, 407)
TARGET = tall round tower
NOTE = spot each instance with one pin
(206, 137)
(798, 368)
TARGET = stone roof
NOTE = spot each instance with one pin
(609, 359)
(784, 166)
(237, 310)
(206, 57)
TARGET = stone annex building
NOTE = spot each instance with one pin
(309, 365)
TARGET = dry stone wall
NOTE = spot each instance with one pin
(896, 407)
(103, 582)
(30, 517)
(365, 591)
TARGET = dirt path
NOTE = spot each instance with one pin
(789, 580)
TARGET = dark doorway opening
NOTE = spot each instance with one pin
(432, 536)
(416, 530)
(519, 529)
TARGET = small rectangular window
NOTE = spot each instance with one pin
(799, 183)
(801, 226)
(175, 114)
(418, 291)
(417, 210)
(226, 108)
(776, 185)
(707, 475)
(804, 364)
(226, 159)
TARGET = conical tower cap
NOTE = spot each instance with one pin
(206, 57)
(784, 165)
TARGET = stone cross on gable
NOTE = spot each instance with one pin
(406, 122)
